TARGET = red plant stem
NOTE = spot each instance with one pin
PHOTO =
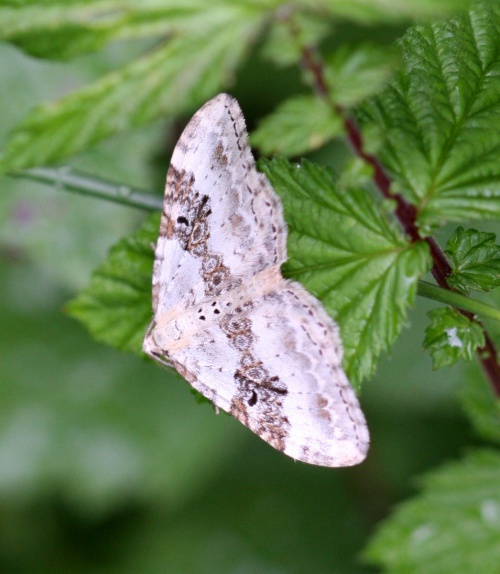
(404, 212)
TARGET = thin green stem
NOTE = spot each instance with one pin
(69, 179)
(458, 301)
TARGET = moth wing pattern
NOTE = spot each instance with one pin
(274, 363)
(258, 346)
(222, 221)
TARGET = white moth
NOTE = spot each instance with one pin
(258, 346)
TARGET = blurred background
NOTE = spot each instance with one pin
(107, 462)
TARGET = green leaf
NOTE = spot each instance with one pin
(73, 40)
(62, 30)
(353, 73)
(171, 79)
(345, 251)
(482, 406)
(299, 125)
(116, 305)
(20, 19)
(451, 337)
(304, 123)
(451, 527)
(59, 30)
(475, 260)
(440, 118)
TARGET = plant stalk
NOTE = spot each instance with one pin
(68, 179)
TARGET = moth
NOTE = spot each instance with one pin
(257, 345)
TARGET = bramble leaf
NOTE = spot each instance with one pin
(451, 527)
(61, 29)
(304, 123)
(451, 336)
(475, 260)
(440, 119)
(299, 125)
(354, 73)
(116, 305)
(174, 77)
(344, 250)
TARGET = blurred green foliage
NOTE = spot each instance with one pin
(107, 463)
